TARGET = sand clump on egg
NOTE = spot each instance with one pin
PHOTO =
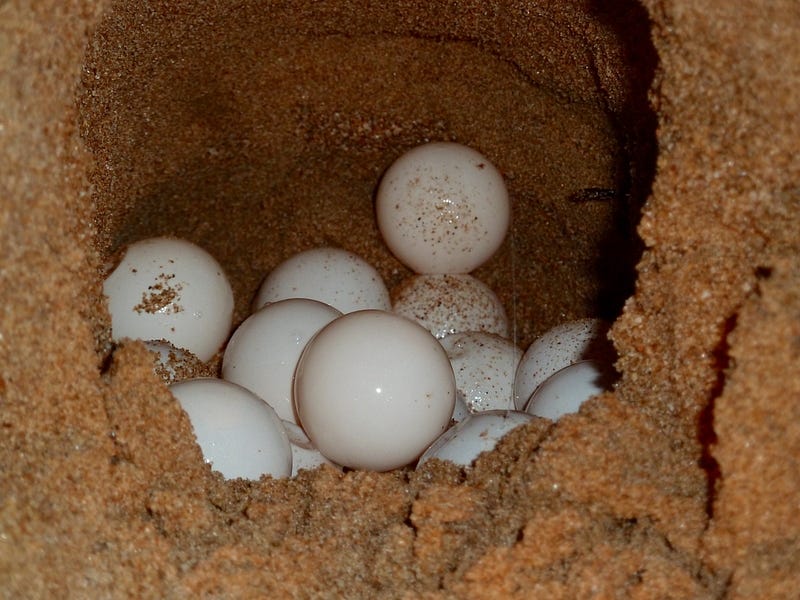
(260, 132)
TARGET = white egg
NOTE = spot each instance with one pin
(460, 410)
(484, 365)
(448, 304)
(559, 347)
(372, 390)
(330, 275)
(565, 391)
(480, 432)
(263, 351)
(304, 454)
(172, 364)
(443, 208)
(240, 434)
(170, 289)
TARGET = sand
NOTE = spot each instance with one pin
(650, 154)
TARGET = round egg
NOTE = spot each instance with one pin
(448, 304)
(175, 364)
(263, 351)
(373, 389)
(565, 391)
(240, 434)
(478, 433)
(304, 454)
(559, 347)
(443, 208)
(170, 289)
(330, 275)
(484, 365)
(460, 410)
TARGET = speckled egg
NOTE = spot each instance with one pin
(448, 304)
(561, 346)
(484, 365)
(443, 208)
(460, 410)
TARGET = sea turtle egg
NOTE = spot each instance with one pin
(263, 351)
(170, 289)
(240, 434)
(480, 432)
(443, 208)
(561, 346)
(330, 275)
(484, 365)
(373, 390)
(304, 454)
(565, 391)
(448, 304)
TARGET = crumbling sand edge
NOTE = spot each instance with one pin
(714, 317)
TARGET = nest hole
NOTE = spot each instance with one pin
(260, 130)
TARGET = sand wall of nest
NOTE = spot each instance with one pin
(683, 483)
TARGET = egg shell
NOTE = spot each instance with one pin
(330, 275)
(170, 289)
(263, 351)
(304, 454)
(484, 365)
(566, 390)
(372, 390)
(561, 346)
(240, 434)
(443, 208)
(478, 433)
(175, 364)
(448, 304)
(460, 410)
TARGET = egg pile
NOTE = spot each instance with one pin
(329, 368)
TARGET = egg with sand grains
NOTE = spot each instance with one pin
(448, 304)
(170, 289)
(478, 433)
(442, 208)
(174, 364)
(373, 390)
(240, 434)
(484, 365)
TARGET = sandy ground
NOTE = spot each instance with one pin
(260, 133)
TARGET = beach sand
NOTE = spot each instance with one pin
(650, 153)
